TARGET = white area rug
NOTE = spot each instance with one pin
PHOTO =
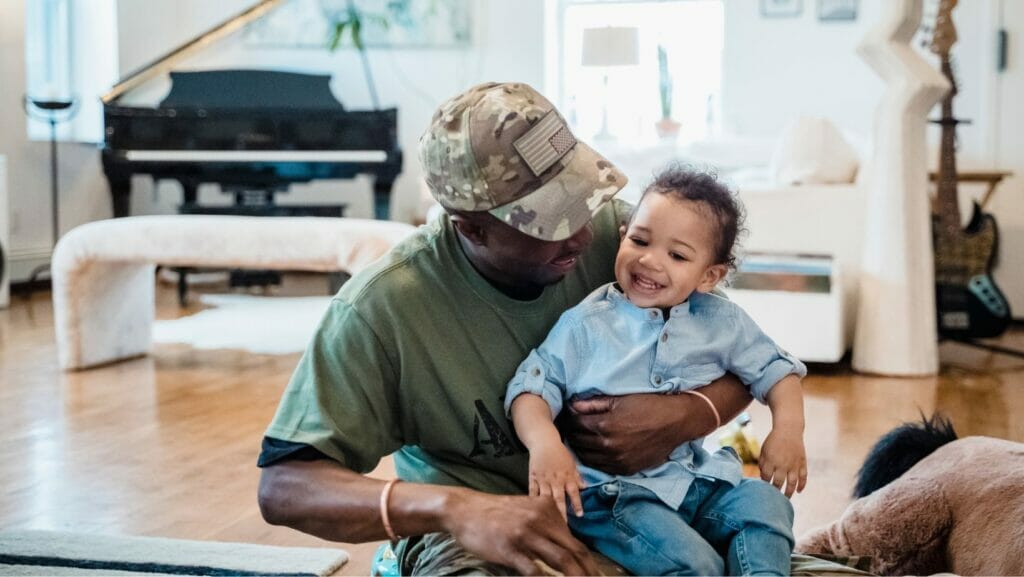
(89, 554)
(263, 325)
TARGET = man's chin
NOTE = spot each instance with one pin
(552, 280)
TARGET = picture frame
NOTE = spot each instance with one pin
(781, 8)
(837, 10)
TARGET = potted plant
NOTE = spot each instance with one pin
(666, 127)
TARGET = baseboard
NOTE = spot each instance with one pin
(22, 262)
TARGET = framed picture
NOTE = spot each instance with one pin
(837, 10)
(781, 8)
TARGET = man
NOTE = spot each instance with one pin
(414, 355)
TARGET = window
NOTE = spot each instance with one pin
(689, 32)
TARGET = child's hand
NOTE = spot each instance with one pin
(783, 461)
(553, 473)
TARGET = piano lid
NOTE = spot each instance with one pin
(250, 89)
(168, 61)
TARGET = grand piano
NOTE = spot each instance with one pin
(253, 132)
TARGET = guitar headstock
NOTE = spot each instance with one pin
(944, 36)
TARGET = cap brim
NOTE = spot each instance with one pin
(567, 202)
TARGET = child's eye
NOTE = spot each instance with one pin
(676, 256)
(638, 241)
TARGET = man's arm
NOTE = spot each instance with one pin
(324, 499)
(627, 434)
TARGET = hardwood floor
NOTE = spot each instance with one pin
(166, 445)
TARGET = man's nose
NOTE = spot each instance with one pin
(581, 240)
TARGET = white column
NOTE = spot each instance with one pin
(896, 332)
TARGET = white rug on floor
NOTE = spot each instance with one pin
(257, 324)
(90, 554)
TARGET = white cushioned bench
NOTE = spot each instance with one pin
(104, 271)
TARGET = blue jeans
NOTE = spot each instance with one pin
(719, 529)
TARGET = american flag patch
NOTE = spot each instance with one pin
(545, 143)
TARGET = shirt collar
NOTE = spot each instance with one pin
(618, 299)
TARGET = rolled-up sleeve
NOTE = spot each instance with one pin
(547, 369)
(758, 361)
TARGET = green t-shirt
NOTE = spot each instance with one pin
(414, 355)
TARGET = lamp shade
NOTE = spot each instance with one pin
(611, 46)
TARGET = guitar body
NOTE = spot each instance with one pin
(969, 303)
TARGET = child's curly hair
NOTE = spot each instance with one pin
(687, 183)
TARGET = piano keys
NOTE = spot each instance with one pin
(253, 132)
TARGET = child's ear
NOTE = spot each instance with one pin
(622, 232)
(712, 276)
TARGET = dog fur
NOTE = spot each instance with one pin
(959, 508)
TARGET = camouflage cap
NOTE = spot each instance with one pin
(504, 148)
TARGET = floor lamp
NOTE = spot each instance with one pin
(609, 47)
(53, 112)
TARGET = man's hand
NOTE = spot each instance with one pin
(553, 474)
(625, 435)
(517, 532)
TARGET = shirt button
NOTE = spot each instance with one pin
(657, 380)
(535, 372)
(653, 314)
(664, 337)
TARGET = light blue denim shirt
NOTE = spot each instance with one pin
(606, 345)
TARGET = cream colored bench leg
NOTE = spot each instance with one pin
(104, 313)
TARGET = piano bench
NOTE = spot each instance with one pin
(104, 271)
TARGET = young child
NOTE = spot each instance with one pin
(658, 329)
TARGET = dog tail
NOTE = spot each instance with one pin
(899, 450)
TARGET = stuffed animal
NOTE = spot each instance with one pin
(928, 502)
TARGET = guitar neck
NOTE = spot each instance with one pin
(946, 194)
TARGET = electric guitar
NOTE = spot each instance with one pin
(969, 303)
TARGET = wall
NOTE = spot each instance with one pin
(1008, 205)
(508, 44)
(5, 292)
(777, 69)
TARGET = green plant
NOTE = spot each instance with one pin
(664, 83)
(352, 19)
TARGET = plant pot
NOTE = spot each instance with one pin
(667, 128)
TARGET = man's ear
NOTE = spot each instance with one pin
(469, 227)
(712, 276)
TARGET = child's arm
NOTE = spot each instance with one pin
(552, 468)
(783, 458)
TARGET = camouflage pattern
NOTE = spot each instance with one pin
(470, 163)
